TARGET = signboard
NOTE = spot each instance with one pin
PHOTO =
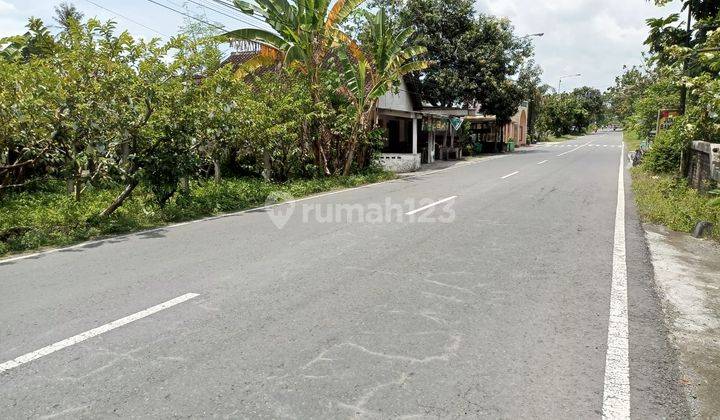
(666, 119)
(456, 122)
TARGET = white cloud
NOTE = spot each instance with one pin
(6, 7)
(592, 37)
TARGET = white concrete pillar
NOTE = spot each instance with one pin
(414, 134)
(431, 143)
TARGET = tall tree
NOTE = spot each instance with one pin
(305, 31)
(66, 14)
(475, 56)
(373, 70)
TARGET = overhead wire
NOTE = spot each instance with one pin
(126, 18)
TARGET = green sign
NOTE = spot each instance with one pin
(456, 122)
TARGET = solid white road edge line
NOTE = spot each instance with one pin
(410, 213)
(509, 175)
(540, 163)
(29, 357)
(616, 394)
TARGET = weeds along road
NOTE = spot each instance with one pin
(496, 289)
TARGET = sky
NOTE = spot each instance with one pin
(592, 37)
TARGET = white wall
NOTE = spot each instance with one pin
(400, 162)
(399, 101)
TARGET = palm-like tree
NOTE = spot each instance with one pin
(304, 33)
(373, 70)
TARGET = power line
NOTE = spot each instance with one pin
(235, 9)
(187, 15)
(223, 13)
(126, 18)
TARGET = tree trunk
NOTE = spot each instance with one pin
(184, 185)
(349, 159)
(216, 170)
(267, 171)
(321, 157)
(125, 152)
(120, 199)
(77, 188)
(350, 156)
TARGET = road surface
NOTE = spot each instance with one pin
(491, 298)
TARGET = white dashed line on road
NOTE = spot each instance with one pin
(616, 394)
(29, 357)
(509, 175)
(570, 151)
(410, 213)
(540, 163)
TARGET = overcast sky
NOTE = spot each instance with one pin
(592, 37)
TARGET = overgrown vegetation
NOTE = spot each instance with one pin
(48, 216)
(681, 73)
(668, 200)
(571, 113)
(133, 130)
(101, 132)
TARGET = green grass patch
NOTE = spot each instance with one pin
(49, 217)
(631, 139)
(565, 137)
(668, 200)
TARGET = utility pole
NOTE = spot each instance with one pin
(688, 42)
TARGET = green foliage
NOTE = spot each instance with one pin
(632, 140)
(666, 152)
(36, 42)
(662, 93)
(670, 32)
(629, 88)
(66, 14)
(276, 110)
(574, 112)
(667, 200)
(368, 75)
(49, 217)
(474, 56)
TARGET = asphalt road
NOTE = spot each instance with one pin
(494, 303)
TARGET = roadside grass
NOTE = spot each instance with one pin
(49, 217)
(667, 200)
(565, 137)
(631, 139)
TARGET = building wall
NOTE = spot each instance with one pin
(400, 162)
(397, 101)
(517, 128)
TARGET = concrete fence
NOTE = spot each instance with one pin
(400, 162)
(704, 164)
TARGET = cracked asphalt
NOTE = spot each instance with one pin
(492, 304)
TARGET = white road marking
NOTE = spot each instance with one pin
(29, 357)
(570, 151)
(509, 175)
(616, 395)
(410, 213)
(540, 163)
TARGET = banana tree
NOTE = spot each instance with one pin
(374, 69)
(303, 34)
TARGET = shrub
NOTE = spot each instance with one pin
(666, 152)
(668, 200)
